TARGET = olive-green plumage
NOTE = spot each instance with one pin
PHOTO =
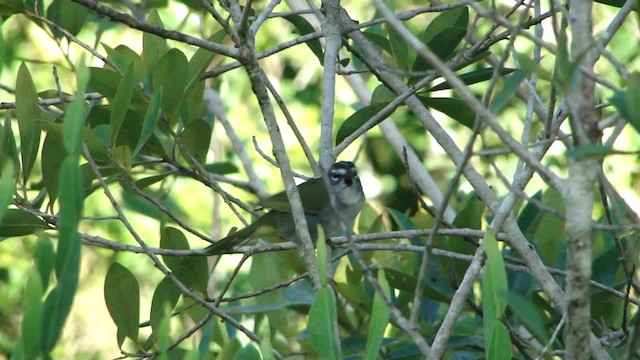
(349, 199)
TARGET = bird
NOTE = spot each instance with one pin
(344, 184)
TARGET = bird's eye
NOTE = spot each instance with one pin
(335, 177)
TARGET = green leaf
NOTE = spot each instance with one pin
(74, 118)
(17, 222)
(191, 271)
(53, 154)
(248, 352)
(499, 346)
(153, 46)
(590, 151)
(494, 281)
(322, 324)
(399, 48)
(121, 103)
(321, 250)
(407, 283)
(124, 56)
(442, 36)
(507, 92)
(165, 297)
(10, 7)
(470, 217)
(67, 265)
(472, 77)
(196, 138)
(171, 74)
(104, 81)
(68, 15)
(626, 102)
(150, 121)
(266, 347)
(28, 116)
(303, 28)
(7, 187)
(529, 315)
(221, 168)
(31, 327)
(45, 256)
(457, 109)
(8, 148)
(122, 297)
(379, 319)
(494, 287)
(381, 42)
(356, 120)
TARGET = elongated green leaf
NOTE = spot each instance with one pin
(17, 222)
(303, 28)
(171, 75)
(443, 35)
(472, 77)
(67, 266)
(165, 297)
(626, 101)
(590, 151)
(153, 46)
(500, 343)
(28, 115)
(356, 120)
(8, 148)
(196, 138)
(508, 91)
(53, 154)
(494, 288)
(530, 315)
(122, 296)
(31, 327)
(150, 120)
(321, 250)
(68, 15)
(45, 256)
(457, 109)
(121, 103)
(379, 320)
(7, 187)
(322, 324)
(266, 347)
(407, 283)
(104, 81)
(495, 276)
(191, 271)
(399, 48)
(74, 118)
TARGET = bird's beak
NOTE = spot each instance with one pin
(348, 178)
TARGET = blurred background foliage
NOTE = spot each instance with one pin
(296, 73)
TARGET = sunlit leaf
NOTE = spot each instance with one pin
(122, 297)
(121, 103)
(28, 116)
(171, 74)
(322, 324)
(165, 296)
(442, 36)
(473, 77)
(303, 28)
(17, 222)
(379, 319)
(356, 120)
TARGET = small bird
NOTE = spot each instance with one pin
(349, 199)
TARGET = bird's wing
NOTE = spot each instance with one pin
(312, 193)
(262, 226)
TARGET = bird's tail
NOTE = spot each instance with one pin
(232, 240)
